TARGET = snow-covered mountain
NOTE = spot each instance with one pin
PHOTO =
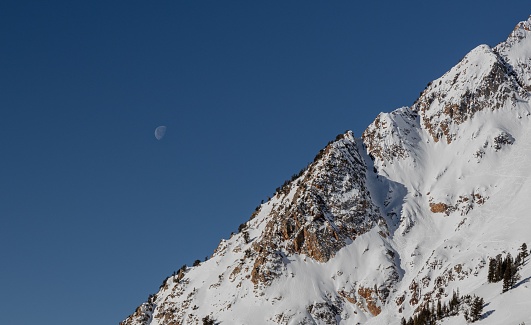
(380, 227)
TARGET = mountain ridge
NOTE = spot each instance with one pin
(379, 227)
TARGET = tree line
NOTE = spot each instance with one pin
(429, 314)
(505, 269)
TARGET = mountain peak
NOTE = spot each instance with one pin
(320, 212)
(483, 79)
(521, 30)
(384, 227)
(486, 77)
(516, 52)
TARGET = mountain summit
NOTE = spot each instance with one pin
(416, 221)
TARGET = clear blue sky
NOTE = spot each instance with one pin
(95, 212)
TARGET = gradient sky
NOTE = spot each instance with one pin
(95, 212)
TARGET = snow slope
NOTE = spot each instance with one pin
(377, 226)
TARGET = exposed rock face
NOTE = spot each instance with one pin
(324, 312)
(315, 215)
(501, 140)
(328, 206)
(516, 54)
(391, 135)
(482, 80)
(439, 207)
(371, 297)
(464, 204)
(142, 314)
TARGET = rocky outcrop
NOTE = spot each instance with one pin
(370, 297)
(142, 314)
(482, 80)
(324, 312)
(320, 212)
(514, 53)
(391, 135)
(464, 204)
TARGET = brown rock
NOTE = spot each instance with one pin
(367, 294)
(438, 207)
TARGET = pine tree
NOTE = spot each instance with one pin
(476, 309)
(518, 260)
(403, 321)
(515, 276)
(523, 252)
(467, 317)
(491, 277)
(453, 305)
(507, 275)
(208, 321)
(439, 310)
(433, 313)
(498, 276)
(511, 275)
(505, 261)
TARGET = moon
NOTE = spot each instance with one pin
(160, 131)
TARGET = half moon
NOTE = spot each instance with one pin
(160, 131)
